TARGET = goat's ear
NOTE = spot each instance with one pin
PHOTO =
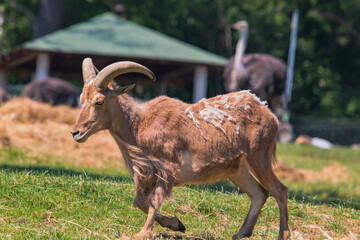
(122, 90)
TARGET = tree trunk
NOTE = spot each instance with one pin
(225, 25)
(49, 17)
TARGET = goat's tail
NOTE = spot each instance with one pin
(274, 159)
(272, 135)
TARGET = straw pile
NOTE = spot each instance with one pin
(43, 128)
(332, 173)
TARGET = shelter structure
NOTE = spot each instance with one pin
(108, 38)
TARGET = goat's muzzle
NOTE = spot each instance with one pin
(78, 136)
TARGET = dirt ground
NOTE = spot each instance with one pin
(41, 128)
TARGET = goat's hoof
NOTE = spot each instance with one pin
(241, 235)
(144, 235)
(283, 235)
(181, 227)
(176, 225)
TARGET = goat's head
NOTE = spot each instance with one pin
(97, 96)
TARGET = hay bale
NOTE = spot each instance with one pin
(42, 128)
(303, 139)
(24, 110)
(332, 173)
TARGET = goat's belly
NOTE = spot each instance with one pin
(198, 172)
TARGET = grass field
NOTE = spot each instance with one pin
(46, 197)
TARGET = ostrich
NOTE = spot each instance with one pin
(263, 74)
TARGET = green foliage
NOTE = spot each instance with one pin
(17, 26)
(327, 67)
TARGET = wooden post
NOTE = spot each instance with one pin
(139, 88)
(161, 87)
(3, 79)
(290, 65)
(42, 66)
(200, 83)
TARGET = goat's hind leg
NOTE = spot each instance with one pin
(268, 179)
(258, 195)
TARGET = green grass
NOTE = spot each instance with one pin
(42, 197)
(344, 193)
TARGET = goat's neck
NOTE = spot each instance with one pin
(126, 117)
(240, 50)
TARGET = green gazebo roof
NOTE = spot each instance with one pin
(108, 34)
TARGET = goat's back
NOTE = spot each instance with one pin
(225, 125)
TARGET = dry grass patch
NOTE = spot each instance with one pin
(42, 128)
(333, 173)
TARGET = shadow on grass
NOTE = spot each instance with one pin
(178, 237)
(316, 197)
(224, 186)
(325, 197)
(52, 171)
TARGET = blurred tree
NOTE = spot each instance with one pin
(327, 66)
(35, 18)
(49, 17)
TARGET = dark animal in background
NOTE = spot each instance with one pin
(4, 97)
(54, 91)
(263, 74)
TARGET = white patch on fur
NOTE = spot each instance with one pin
(214, 116)
(237, 130)
(192, 117)
(256, 98)
(224, 99)
(211, 113)
(237, 98)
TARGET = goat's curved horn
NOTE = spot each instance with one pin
(119, 68)
(88, 71)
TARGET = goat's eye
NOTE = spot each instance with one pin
(99, 103)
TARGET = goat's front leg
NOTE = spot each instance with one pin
(156, 197)
(172, 223)
(146, 231)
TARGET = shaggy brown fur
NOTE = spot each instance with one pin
(166, 143)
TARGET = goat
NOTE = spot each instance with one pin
(54, 91)
(4, 97)
(166, 142)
